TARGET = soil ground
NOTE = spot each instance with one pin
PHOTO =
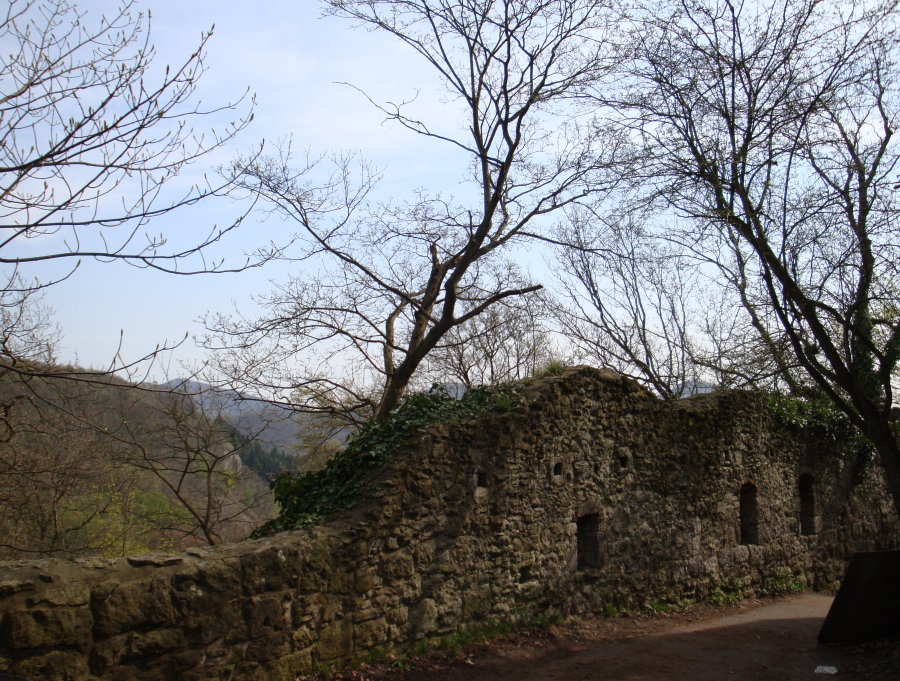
(773, 640)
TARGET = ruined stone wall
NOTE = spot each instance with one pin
(590, 494)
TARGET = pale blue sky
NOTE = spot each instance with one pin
(293, 60)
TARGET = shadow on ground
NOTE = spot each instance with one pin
(774, 641)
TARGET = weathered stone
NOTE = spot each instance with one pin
(267, 613)
(398, 615)
(155, 560)
(46, 627)
(397, 565)
(272, 647)
(292, 665)
(10, 587)
(366, 580)
(589, 494)
(365, 614)
(67, 595)
(335, 641)
(423, 617)
(56, 665)
(371, 633)
(124, 606)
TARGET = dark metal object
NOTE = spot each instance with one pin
(867, 605)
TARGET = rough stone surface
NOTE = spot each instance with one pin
(591, 494)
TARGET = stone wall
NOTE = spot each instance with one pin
(590, 494)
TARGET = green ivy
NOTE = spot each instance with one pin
(306, 499)
(781, 583)
(720, 596)
(812, 411)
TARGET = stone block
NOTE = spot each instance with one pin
(268, 648)
(335, 641)
(121, 607)
(45, 627)
(73, 594)
(397, 565)
(154, 643)
(364, 614)
(293, 665)
(303, 637)
(210, 576)
(423, 617)
(370, 634)
(9, 587)
(341, 580)
(366, 580)
(119, 650)
(207, 615)
(398, 615)
(267, 613)
(56, 665)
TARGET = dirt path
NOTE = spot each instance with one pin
(771, 641)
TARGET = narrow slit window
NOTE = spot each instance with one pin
(749, 510)
(807, 505)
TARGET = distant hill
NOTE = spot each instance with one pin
(271, 424)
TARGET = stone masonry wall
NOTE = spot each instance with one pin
(590, 494)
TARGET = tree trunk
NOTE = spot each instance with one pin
(885, 441)
(393, 393)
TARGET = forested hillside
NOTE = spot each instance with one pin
(100, 466)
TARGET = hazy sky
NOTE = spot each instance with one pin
(293, 61)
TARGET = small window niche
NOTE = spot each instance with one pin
(806, 486)
(588, 539)
(556, 472)
(749, 512)
(623, 458)
(481, 484)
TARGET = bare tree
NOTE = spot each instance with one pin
(91, 136)
(396, 280)
(26, 324)
(62, 488)
(630, 303)
(191, 450)
(742, 342)
(771, 125)
(676, 315)
(508, 342)
(91, 467)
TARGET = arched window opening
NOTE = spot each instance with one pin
(749, 515)
(807, 505)
(589, 541)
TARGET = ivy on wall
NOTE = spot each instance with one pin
(307, 499)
